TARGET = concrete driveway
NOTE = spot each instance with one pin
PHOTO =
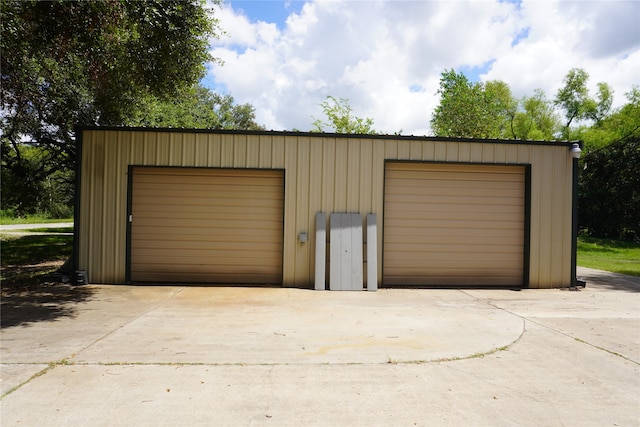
(176, 356)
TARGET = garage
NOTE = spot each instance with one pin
(205, 225)
(242, 207)
(454, 224)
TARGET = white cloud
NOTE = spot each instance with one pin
(386, 56)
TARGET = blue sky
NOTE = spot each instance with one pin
(267, 10)
(386, 57)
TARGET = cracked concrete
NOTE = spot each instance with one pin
(255, 356)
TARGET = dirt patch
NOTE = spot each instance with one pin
(28, 277)
(38, 292)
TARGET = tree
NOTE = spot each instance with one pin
(603, 103)
(535, 119)
(458, 111)
(609, 197)
(198, 108)
(90, 63)
(620, 124)
(476, 110)
(499, 108)
(22, 194)
(340, 119)
(574, 99)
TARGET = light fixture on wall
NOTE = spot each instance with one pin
(575, 150)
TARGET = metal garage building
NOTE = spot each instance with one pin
(231, 207)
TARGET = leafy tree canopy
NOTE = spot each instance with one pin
(623, 123)
(199, 108)
(535, 118)
(467, 109)
(574, 99)
(90, 63)
(609, 197)
(488, 110)
(340, 119)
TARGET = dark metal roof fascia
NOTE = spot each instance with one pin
(331, 135)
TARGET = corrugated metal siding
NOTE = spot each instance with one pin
(322, 173)
(206, 225)
(454, 224)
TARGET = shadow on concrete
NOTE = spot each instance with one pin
(44, 302)
(608, 280)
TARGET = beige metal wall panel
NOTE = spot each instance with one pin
(303, 218)
(550, 217)
(323, 173)
(206, 225)
(316, 170)
(454, 224)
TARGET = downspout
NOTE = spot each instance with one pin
(574, 223)
(76, 208)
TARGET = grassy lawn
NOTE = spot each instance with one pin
(609, 255)
(28, 249)
(29, 260)
(35, 219)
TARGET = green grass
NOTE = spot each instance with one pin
(27, 249)
(609, 255)
(29, 260)
(48, 230)
(33, 219)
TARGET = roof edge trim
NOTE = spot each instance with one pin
(329, 135)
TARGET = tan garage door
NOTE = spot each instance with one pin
(454, 225)
(206, 225)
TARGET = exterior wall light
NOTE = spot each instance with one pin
(575, 150)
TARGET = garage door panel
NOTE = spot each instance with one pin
(449, 256)
(243, 222)
(233, 179)
(445, 173)
(210, 250)
(450, 205)
(203, 200)
(438, 271)
(240, 221)
(174, 238)
(409, 238)
(452, 181)
(196, 235)
(453, 224)
(445, 252)
(187, 190)
(205, 249)
(231, 198)
(212, 217)
(207, 225)
(202, 264)
(270, 209)
(184, 173)
(228, 279)
(441, 234)
(174, 184)
(452, 195)
(201, 274)
(448, 279)
(462, 224)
